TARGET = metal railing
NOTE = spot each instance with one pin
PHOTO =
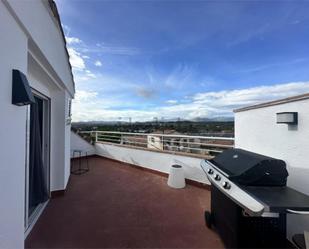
(198, 145)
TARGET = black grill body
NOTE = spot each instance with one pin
(251, 169)
(250, 199)
(238, 230)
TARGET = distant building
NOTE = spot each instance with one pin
(154, 142)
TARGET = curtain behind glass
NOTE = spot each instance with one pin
(37, 178)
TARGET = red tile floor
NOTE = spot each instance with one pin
(118, 206)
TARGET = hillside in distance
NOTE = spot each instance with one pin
(196, 127)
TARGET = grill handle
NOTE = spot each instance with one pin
(291, 211)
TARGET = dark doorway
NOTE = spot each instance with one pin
(38, 158)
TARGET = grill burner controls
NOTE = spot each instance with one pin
(217, 177)
(248, 203)
(210, 171)
(226, 185)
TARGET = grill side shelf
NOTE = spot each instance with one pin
(281, 199)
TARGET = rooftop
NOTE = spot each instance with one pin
(115, 205)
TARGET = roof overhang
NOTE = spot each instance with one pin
(54, 10)
(275, 102)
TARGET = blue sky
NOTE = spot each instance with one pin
(187, 59)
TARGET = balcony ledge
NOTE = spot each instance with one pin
(199, 156)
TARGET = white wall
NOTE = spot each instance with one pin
(256, 130)
(58, 177)
(60, 131)
(78, 143)
(153, 160)
(23, 24)
(12, 134)
(67, 142)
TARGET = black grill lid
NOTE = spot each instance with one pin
(237, 161)
(246, 167)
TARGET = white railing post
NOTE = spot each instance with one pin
(162, 139)
(96, 136)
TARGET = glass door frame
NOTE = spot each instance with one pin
(31, 220)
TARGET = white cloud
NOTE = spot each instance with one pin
(82, 95)
(181, 75)
(254, 33)
(72, 40)
(98, 63)
(252, 95)
(222, 103)
(66, 29)
(90, 74)
(76, 59)
(172, 101)
(89, 106)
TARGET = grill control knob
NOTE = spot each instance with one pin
(210, 171)
(217, 177)
(226, 185)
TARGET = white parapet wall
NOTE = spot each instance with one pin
(158, 161)
(256, 130)
(78, 143)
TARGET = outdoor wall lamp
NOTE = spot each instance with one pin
(21, 92)
(290, 118)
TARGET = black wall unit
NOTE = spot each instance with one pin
(21, 92)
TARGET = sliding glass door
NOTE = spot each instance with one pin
(37, 161)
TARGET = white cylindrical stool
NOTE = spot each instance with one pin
(176, 178)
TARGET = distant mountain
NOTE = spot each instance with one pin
(215, 119)
(224, 119)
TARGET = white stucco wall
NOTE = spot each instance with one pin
(67, 142)
(60, 131)
(58, 141)
(13, 54)
(256, 130)
(78, 143)
(22, 24)
(153, 160)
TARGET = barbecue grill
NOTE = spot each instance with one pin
(250, 199)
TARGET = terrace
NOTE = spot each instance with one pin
(157, 152)
(115, 205)
(127, 203)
